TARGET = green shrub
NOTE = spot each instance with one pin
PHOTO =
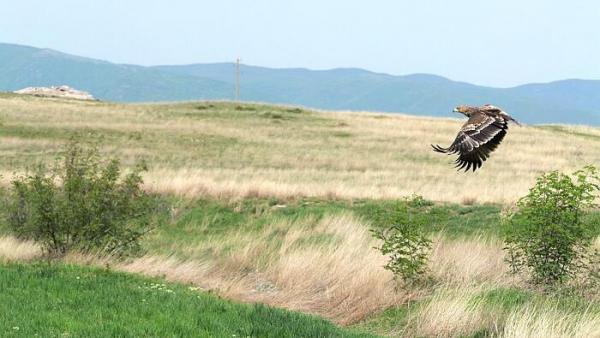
(403, 240)
(547, 236)
(82, 203)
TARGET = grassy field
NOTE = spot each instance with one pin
(230, 150)
(317, 257)
(274, 205)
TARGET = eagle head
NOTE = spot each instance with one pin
(465, 110)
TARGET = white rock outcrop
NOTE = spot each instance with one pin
(60, 91)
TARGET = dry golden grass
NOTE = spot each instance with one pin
(452, 313)
(550, 322)
(472, 261)
(213, 149)
(13, 250)
(457, 312)
(328, 268)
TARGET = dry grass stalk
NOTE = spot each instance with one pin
(14, 250)
(452, 313)
(550, 322)
(340, 277)
(470, 261)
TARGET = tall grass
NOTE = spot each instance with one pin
(452, 313)
(552, 322)
(13, 250)
(327, 267)
(475, 260)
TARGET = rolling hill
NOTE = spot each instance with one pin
(567, 101)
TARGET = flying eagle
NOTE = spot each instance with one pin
(483, 132)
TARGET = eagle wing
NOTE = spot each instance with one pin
(477, 138)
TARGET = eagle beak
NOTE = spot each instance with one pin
(455, 110)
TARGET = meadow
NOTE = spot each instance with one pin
(227, 150)
(273, 205)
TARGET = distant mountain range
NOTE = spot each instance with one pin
(565, 101)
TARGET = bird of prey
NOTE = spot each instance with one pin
(479, 136)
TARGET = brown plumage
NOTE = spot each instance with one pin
(479, 136)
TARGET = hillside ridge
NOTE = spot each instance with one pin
(570, 101)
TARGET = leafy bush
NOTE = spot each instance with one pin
(81, 203)
(403, 239)
(547, 235)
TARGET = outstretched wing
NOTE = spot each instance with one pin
(477, 138)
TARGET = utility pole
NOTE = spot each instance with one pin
(237, 79)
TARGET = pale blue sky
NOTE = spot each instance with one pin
(493, 42)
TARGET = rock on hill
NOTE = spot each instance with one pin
(60, 91)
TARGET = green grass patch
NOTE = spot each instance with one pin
(453, 220)
(504, 298)
(196, 221)
(50, 133)
(207, 220)
(391, 322)
(232, 110)
(64, 300)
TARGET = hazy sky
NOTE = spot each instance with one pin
(491, 42)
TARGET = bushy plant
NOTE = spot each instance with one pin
(83, 203)
(403, 240)
(547, 235)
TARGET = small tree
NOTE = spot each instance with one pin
(403, 240)
(547, 236)
(82, 203)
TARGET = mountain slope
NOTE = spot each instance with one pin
(567, 101)
(22, 66)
